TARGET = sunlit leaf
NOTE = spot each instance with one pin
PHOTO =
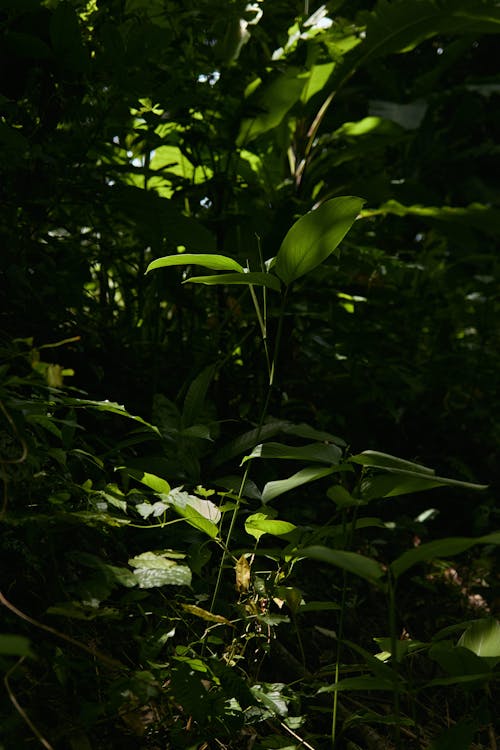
(258, 524)
(315, 236)
(215, 262)
(150, 480)
(483, 638)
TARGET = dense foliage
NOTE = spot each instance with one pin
(269, 230)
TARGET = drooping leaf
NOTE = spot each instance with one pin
(447, 547)
(304, 476)
(364, 567)
(315, 236)
(213, 261)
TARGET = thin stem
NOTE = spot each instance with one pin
(20, 710)
(249, 463)
(395, 663)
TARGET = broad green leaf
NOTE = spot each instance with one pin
(364, 567)
(457, 661)
(317, 80)
(391, 485)
(315, 236)
(304, 476)
(198, 521)
(483, 638)
(14, 645)
(259, 523)
(215, 262)
(271, 101)
(254, 278)
(447, 547)
(321, 452)
(150, 480)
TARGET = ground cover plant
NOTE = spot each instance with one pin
(269, 231)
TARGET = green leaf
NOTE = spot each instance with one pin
(198, 521)
(329, 454)
(215, 262)
(483, 638)
(304, 476)
(259, 524)
(447, 547)
(253, 278)
(150, 480)
(14, 645)
(272, 100)
(364, 567)
(106, 406)
(379, 460)
(315, 236)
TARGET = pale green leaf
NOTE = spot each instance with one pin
(259, 523)
(315, 236)
(150, 480)
(215, 262)
(483, 638)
